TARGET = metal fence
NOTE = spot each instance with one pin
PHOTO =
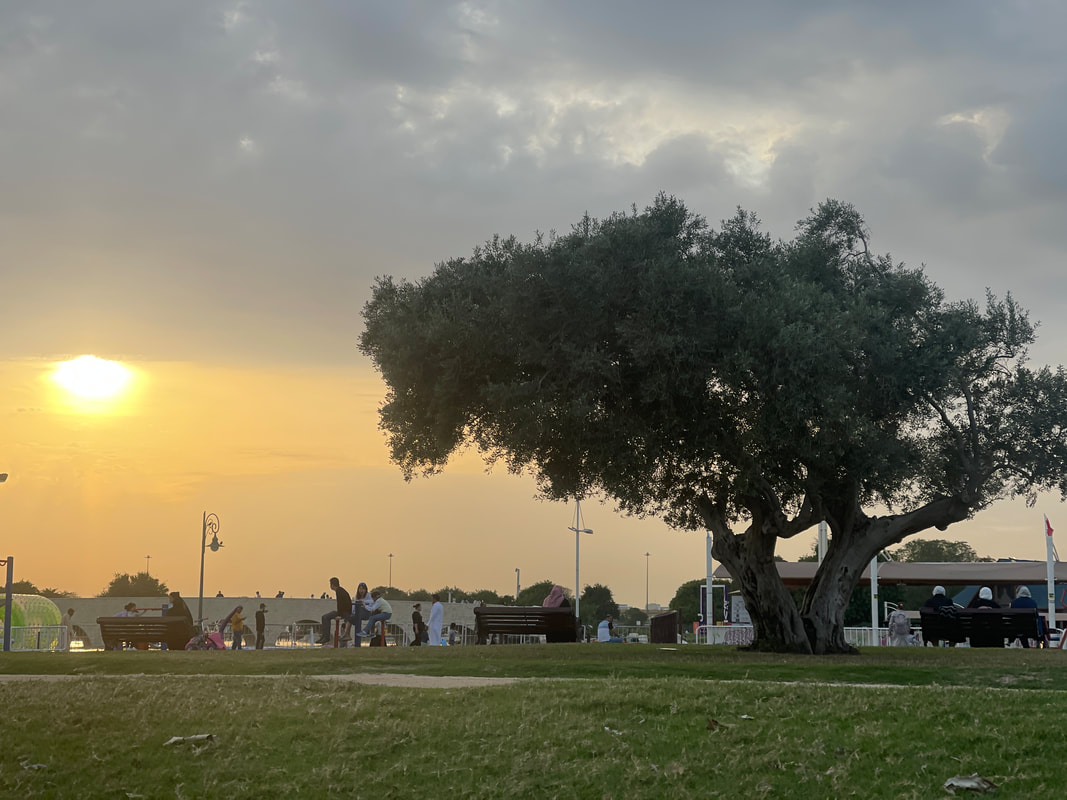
(740, 635)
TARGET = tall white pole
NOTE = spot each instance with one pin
(646, 583)
(874, 603)
(578, 531)
(709, 584)
(1050, 555)
(577, 541)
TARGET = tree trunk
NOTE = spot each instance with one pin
(776, 622)
(824, 604)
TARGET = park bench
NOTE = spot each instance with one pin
(555, 624)
(663, 628)
(985, 627)
(174, 631)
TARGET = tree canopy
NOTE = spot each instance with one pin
(725, 381)
(596, 603)
(140, 585)
(936, 550)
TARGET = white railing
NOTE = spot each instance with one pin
(38, 637)
(740, 635)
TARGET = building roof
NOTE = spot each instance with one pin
(798, 574)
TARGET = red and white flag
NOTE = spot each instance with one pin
(1048, 527)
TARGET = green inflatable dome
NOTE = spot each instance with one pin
(34, 622)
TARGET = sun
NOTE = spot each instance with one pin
(92, 378)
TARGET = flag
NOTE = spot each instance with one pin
(1048, 527)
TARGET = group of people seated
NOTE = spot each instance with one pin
(984, 599)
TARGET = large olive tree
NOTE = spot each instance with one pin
(728, 382)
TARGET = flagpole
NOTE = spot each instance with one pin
(1050, 552)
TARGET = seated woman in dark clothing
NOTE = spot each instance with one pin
(556, 599)
(984, 599)
(938, 599)
(1024, 600)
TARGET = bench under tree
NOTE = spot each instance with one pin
(555, 624)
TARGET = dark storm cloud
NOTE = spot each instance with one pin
(260, 162)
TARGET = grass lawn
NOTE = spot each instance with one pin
(631, 721)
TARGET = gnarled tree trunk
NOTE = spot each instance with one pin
(776, 622)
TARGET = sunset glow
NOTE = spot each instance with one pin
(92, 378)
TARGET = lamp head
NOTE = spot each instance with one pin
(3, 477)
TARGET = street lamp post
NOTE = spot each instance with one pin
(647, 584)
(211, 522)
(578, 529)
(147, 561)
(516, 584)
(390, 570)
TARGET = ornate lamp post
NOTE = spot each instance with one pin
(211, 522)
(390, 570)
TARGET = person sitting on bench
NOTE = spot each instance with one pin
(380, 611)
(1024, 600)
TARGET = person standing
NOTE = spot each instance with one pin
(237, 623)
(68, 627)
(437, 620)
(418, 629)
(344, 609)
(452, 634)
(261, 625)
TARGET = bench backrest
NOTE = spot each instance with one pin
(523, 620)
(175, 631)
(1005, 623)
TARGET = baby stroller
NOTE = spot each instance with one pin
(212, 640)
(206, 641)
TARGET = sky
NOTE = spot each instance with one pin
(205, 192)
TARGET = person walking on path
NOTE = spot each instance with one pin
(261, 625)
(380, 611)
(344, 609)
(437, 620)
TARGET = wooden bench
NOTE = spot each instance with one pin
(555, 624)
(985, 627)
(174, 631)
